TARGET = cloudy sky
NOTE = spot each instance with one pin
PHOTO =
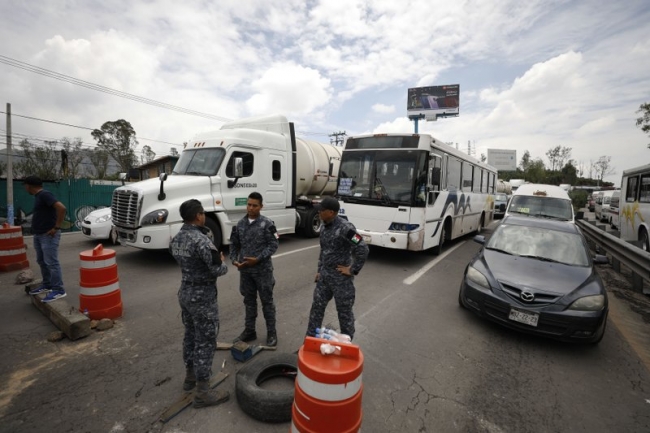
(532, 74)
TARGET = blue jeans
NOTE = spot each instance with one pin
(47, 256)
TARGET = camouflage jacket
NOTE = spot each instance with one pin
(199, 259)
(339, 245)
(257, 239)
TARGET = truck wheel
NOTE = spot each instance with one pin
(215, 232)
(266, 404)
(312, 224)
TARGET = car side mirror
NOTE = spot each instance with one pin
(580, 215)
(600, 259)
(479, 239)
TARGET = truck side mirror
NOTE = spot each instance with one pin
(237, 171)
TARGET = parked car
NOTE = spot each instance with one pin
(614, 209)
(98, 225)
(537, 276)
(602, 209)
(500, 203)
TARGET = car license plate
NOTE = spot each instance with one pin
(367, 239)
(523, 317)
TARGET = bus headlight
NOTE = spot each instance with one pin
(402, 227)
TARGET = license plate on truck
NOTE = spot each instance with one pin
(525, 317)
(367, 239)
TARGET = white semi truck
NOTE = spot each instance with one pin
(220, 169)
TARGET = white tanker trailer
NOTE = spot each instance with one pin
(220, 169)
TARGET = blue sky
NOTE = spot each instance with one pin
(532, 75)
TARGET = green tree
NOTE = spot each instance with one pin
(148, 155)
(536, 171)
(603, 168)
(564, 157)
(118, 138)
(553, 156)
(643, 122)
(569, 173)
(42, 161)
(525, 161)
(99, 159)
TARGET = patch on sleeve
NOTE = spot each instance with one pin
(353, 237)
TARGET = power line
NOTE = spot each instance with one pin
(68, 79)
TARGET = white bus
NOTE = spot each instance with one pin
(634, 206)
(413, 192)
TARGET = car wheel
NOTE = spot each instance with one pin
(265, 404)
(645, 240)
(215, 231)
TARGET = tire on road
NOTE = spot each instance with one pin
(215, 231)
(265, 404)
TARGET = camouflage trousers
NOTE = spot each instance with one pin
(252, 284)
(340, 288)
(200, 315)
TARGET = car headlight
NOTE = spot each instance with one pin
(589, 303)
(103, 219)
(156, 217)
(477, 278)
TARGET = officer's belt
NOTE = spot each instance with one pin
(199, 283)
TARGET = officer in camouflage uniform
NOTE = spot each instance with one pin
(252, 243)
(201, 264)
(339, 245)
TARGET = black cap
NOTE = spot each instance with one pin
(329, 203)
(33, 180)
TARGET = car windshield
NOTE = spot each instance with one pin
(501, 197)
(545, 207)
(539, 243)
(199, 162)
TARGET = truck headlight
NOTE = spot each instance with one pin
(156, 217)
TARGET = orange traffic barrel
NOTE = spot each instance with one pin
(327, 396)
(13, 253)
(100, 296)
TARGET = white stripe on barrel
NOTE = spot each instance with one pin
(95, 291)
(17, 234)
(328, 392)
(95, 264)
(13, 252)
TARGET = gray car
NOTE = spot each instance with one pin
(500, 204)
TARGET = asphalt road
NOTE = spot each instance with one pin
(430, 366)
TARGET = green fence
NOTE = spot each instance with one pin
(80, 197)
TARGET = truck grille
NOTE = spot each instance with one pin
(125, 209)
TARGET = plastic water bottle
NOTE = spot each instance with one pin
(343, 338)
(328, 349)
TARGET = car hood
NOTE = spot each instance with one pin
(98, 213)
(535, 274)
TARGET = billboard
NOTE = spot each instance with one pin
(431, 101)
(502, 159)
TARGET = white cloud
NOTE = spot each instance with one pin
(384, 109)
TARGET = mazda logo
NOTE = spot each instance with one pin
(527, 296)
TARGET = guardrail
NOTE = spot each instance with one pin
(635, 258)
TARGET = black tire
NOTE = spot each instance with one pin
(443, 235)
(481, 224)
(312, 224)
(215, 231)
(263, 404)
(645, 239)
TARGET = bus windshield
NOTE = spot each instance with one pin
(383, 177)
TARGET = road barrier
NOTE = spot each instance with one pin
(100, 295)
(328, 389)
(627, 253)
(13, 253)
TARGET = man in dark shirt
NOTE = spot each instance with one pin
(342, 255)
(252, 243)
(201, 264)
(47, 218)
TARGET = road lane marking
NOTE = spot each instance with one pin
(295, 251)
(416, 276)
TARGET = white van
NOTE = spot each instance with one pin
(602, 209)
(542, 201)
(614, 210)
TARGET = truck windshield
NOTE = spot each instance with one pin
(199, 162)
(544, 207)
(382, 177)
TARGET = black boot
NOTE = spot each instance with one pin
(271, 338)
(247, 335)
(190, 379)
(205, 397)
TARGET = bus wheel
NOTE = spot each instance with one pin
(481, 224)
(645, 240)
(215, 232)
(443, 234)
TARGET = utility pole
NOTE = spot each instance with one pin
(336, 138)
(10, 171)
